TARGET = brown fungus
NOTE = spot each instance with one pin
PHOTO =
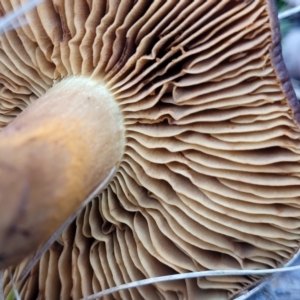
(191, 102)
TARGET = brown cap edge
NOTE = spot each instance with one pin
(278, 63)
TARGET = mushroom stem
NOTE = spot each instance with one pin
(52, 156)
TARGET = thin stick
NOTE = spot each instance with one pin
(8, 22)
(1, 285)
(289, 12)
(16, 293)
(55, 236)
(160, 279)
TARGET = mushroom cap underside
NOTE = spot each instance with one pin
(210, 175)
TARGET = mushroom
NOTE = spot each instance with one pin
(188, 105)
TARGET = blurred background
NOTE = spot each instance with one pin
(290, 30)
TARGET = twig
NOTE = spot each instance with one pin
(8, 22)
(289, 12)
(16, 293)
(1, 285)
(56, 235)
(144, 282)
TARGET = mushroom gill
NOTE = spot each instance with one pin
(209, 178)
